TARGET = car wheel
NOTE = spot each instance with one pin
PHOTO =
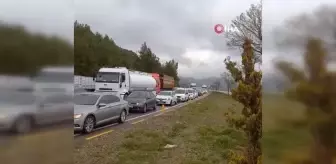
(171, 103)
(23, 125)
(154, 107)
(122, 117)
(89, 124)
(144, 110)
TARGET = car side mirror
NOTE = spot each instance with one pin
(100, 105)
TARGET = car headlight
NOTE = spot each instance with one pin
(77, 116)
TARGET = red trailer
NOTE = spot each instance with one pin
(163, 82)
(156, 76)
(167, 82)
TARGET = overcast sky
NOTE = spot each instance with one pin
(174, 29)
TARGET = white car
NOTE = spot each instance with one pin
(195, 93)
(166, 98)
(191, 93)
(181, 94)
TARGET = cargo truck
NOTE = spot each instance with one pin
(123, 81)
(193, 85)
(163, 82)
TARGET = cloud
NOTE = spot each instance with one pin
(52, 17)
(275, 14)
(172, 29)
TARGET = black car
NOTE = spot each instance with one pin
(141, 101)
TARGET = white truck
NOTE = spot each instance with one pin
(123, 81)
(54, 79)
(193, 85)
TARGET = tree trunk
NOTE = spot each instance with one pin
(321, 153)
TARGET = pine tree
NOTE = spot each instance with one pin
(315, 88)
(248, 93)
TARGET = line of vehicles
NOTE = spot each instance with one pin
(116, 93)
(123, 91)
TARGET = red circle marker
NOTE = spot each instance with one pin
(219, 28)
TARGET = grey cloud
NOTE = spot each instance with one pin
(168, 27)
(49, 17)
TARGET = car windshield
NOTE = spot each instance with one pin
(180, 91)
(137, 94)
(17, 98)
(55, 77)
(190, 91)
(86, 99)
(108, 77)
(165, 93)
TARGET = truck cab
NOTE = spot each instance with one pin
(113, 79)
(123, 81)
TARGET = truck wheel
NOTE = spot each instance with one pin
(144, 110)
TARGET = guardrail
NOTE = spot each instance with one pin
(224, 92)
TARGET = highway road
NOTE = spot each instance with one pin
(132, 119)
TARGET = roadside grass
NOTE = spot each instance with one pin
(53, 147)
(285, 134)
(198, 130)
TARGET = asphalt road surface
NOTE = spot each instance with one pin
(133, 118)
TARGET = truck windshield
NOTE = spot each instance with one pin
(54, 77)
(180, 91)
(108, 77)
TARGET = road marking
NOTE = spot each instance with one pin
(138, 121)
(98, 135)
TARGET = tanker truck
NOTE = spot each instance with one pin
(123, 81)
(163, 82)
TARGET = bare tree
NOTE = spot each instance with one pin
(321, 24)
(229, 81)
(248, 25)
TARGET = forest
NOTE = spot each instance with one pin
(93, 50)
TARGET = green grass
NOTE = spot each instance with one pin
(285, 133)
